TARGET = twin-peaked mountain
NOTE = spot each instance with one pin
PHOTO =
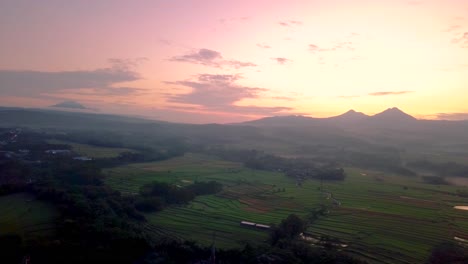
(390, 116)
(390, 127)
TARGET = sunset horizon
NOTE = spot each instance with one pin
(224, 62)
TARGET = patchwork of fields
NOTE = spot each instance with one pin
(23, 215)
(391, 218)
(256, 196)
(381, 217)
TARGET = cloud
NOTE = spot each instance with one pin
(290, 23)
(348, 44)
(341, 45)
(202, 56)
(220, 93)
(210, 58)
(285, 98)
(281, 61)
(35, 83)
(452, 28)
(69, 104)
(165, 42)
(344, 45)
(108, 91)
(233, 19)
(452, 116)
(263, 46)
(238, 64)
(390, 93)
(463, 40)
(313, 47)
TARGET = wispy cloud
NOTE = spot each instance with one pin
(290, 23)
(263, 46)
(452, 28)
(238, 64)
(452, 116)
(389, 93)
(281, 60)
(35, 83)
(218, 92)
(284, 98)
(233, 19)
(165, 42)
(210, 58)
(341, 45)
(313, 47)
(201, 56)
(461, 39)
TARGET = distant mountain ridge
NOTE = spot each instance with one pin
(391, 128)
(390, 115)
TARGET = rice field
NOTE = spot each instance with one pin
(22, 214)
(382, 218)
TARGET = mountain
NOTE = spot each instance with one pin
(69, 104)
(393, 115)
(291, 120)
(389, 116)
(349, 117)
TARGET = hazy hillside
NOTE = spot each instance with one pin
(285, 135)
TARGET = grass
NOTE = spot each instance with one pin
(92, 151)
(383, 218)
(22, 214)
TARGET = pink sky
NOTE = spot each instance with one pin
(229, 61)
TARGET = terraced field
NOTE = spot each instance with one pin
(23, 215)
(397, 220)
(381, 217)
(256, 196)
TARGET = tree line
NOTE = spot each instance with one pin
(292, 167)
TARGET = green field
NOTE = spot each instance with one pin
(392, 219)
(22, 214)
(382, 217)
(92, 151)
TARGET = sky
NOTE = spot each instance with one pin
(231, 61)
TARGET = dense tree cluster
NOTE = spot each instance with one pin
(442, 169)
(155, 196)
(296, 168)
